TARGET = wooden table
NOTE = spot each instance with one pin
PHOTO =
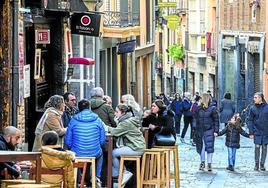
(109, 142)
(14, 156)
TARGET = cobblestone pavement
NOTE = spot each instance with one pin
(243, 177)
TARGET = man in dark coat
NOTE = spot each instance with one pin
(8, 141)
(258, 126)
(70, 108)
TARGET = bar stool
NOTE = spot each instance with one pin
(29, 186)
(175, 151)
(155, 168)
(137, 159)
(6, 183)
(81, 162)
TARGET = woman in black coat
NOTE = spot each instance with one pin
(206, 125)
(163, 123)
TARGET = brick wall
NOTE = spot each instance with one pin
(237, 15)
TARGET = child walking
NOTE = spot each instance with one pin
(232, 141)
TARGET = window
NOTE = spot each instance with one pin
(201, 83)
(203, 43)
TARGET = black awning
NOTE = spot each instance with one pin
(78, 5)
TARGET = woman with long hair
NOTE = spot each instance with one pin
(206, 125)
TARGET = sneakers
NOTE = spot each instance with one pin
(192, 142)
(230, 167)
(256, 168)
(182, 140)
(209, 167)
(126, 177)
(98, 182)
(262, 168)
(202, 165)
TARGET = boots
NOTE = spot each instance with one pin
(230, 167)
(209, 167)
(202, 165)
(262, 168)
(256, 168)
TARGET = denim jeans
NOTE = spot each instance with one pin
(202, 155)
(178, 123)
(231, 155)
(258, 149)
(117, 153)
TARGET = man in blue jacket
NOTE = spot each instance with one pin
(85, 135)
(258, 126)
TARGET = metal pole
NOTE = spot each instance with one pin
(217, 50)
(97, 51)
(153, 62)
(15, 65)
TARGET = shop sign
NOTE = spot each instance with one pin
(56, 5)
(167, 4)
(228, 43)
(253, 46)
(126, 47)
(42, 36)
(85, 24)
(27, 88)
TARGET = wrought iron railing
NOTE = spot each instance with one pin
(121, 19)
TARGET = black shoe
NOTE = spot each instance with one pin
(262, 168)
(209, 167)
(256, 168)
(230, 167)
(202, 166)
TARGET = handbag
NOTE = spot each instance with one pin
(164, 140)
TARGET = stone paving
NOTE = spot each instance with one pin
(243, 177)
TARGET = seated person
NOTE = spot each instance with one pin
(55, 157)
(9, 139)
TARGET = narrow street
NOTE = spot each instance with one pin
(243, 177)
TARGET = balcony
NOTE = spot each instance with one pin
(121, 24)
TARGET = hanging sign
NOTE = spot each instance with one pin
(85, 24)
(167, 4)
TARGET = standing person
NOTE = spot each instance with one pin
(232, 140)
(86, 134)
(214, 100)
(130, 138)
(227, 108)
(258, 126)
(176, 107)
(206, 124)
(70, 108)
(187, 117)
(163, 123)
(51, 121)
(108, 100)
(100, 107)
(164, 99)
(129, 100)
(8, 142)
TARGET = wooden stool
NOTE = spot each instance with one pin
(136, 158)
(81, 162)
(175, 151)
(153, 163)
(6, 183)
(29, 186)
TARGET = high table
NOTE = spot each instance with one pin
(14, 156)
(109, 142)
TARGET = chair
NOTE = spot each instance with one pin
(155, 168)
(137, 159)
(81, 162)
(175, 151)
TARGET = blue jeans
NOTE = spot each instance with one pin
(202, 155)
(231, 155)
(117, 153)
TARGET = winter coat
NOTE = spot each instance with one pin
(151, 119)
(258, 123)
(68, 114)
(52, 158)
(186, 106)
(227, 110)
(165, 123)
(85, 134)
(233, 135)
(104, 111)
(4, 146)
(176, 107)
(52, 122)
(205, 123)
(129, 131)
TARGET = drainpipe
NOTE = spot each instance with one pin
(97, 50)
(217, 82)
(15, 66)
(154, 59)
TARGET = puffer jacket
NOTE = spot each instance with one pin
(85, 134)
(55, 159)
(206, 123)
(258, 123)
(233, 135)
(227, 110)
(104, 111)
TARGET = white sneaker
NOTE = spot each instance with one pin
(126, 177)
(98, 183)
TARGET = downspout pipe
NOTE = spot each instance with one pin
(97, 50)
(154, 59)
(15, 65)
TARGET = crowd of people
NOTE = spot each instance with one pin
(81, 127)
